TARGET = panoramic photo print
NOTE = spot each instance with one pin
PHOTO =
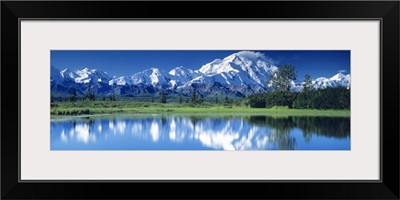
(200, 100)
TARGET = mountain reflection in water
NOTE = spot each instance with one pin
(158, 132)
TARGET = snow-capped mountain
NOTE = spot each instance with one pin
(55, 75)
(65, 81)
(91, 76)
(337, 80)
(123, 80)
(152, 76)
(241, 73)
(181, 75)
(79, 76)
(68, 74)
(242, 68)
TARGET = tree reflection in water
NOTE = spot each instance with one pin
(335, 127)
(202, 132)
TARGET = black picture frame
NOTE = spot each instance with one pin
(386, 11)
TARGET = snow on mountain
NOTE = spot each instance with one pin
(296, 87)
(91, 76)
(69, 75)
(181, 75)
(216, 67)
(199, 80)
(242, 68)
(55, 75)
(341, 80)
(152, 76)
(337, 80)
(123, 80)
(243, 72)
(338, 77)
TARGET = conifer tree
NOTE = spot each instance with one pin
(180, 99)
(73, 98)
(163, 98)
(193, 100)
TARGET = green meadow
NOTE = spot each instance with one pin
(126, 107)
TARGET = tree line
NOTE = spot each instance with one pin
(89, 96)
(309, 98)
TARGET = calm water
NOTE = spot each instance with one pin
(157, 132)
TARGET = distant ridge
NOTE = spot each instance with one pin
(241, 73)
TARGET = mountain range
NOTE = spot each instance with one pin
(241, 73)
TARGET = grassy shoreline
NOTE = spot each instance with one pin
(104, 107)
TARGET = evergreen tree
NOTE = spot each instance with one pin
(104, 97)
(59, 99)
(216, 99)
(152, 99)
(113, 98)
(307, 86)
(305, 98)
(201, 98)
(163, 98)
(257, 100)
(193, 100)
(226, 100)
(280, 98)
(89, 96)
(180, 99)
(324, 98)
(281, 81)
(51, 99)
(73, 98)
(281, 84)
(110, 97)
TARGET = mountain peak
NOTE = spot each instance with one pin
(178, 70)
(154, 69)
(68, 73)
(83, 71)
(338, 76)
(179, 67)
(251, 55)
(243, 55)
(246, 72)
(337, 80)
(241, 68)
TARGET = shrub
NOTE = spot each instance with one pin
(256, 101)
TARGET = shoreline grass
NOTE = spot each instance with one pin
(88, 108)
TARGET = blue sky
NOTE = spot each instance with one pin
(128, 62)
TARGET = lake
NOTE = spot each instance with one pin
(196, 132)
